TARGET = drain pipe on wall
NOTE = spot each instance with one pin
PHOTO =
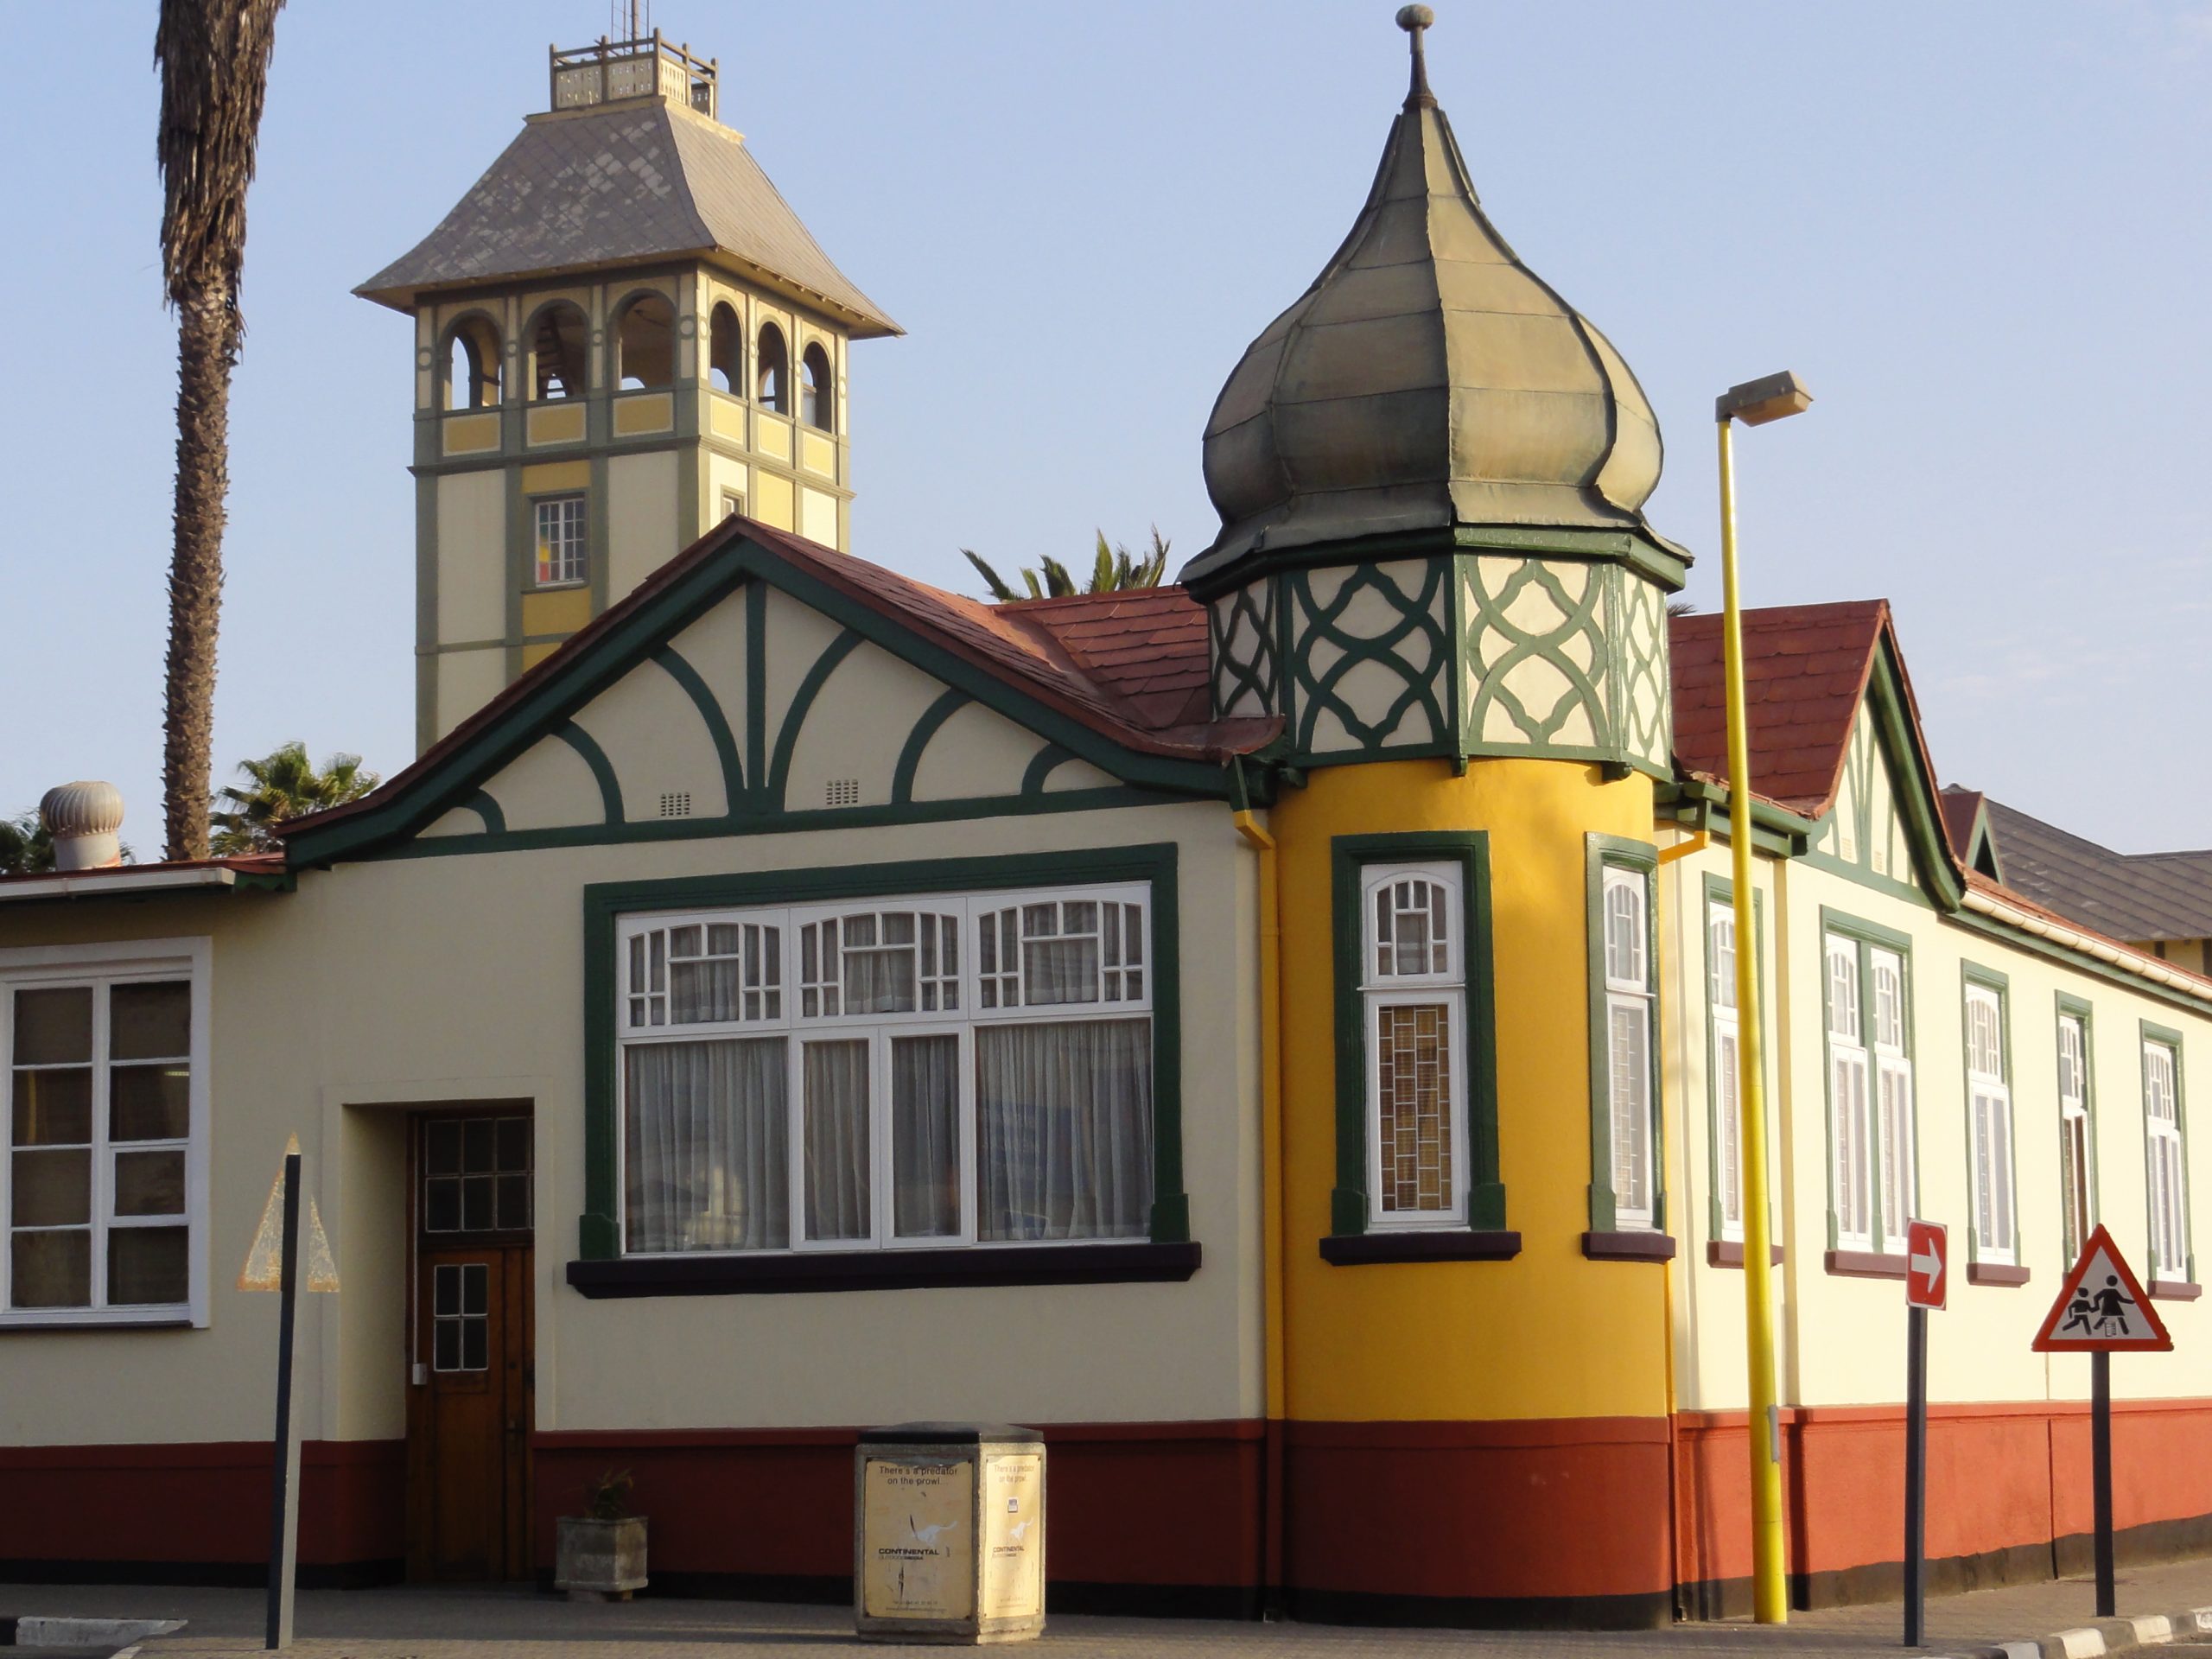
(1272, 1191)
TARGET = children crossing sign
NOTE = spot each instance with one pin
(2102, 1308)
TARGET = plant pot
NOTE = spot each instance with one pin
(601, 1561)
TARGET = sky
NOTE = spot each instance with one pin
(1976, 230)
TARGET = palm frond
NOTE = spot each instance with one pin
(992, 580)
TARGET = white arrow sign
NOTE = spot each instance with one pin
(1930, 1267)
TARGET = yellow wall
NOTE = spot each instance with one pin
(1548, 1334)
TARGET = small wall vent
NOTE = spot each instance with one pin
(676, 805)
(844, 792)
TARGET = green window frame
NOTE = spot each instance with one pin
(1720, 895)
(1614, 867)
(1482, 1207)
(2077, 1147)
(1993, 1143)
(2166, 1161)
(1883, 1111)
(607, 904)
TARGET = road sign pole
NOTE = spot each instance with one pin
(284, 1489)
(1915, 1472)
(2100, 1476)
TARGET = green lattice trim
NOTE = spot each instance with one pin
(1259, 675)
(1319, 692)
(1578, 619)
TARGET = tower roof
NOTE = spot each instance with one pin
(1429, 380)
(626, 183)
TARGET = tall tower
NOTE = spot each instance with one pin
(622, 334)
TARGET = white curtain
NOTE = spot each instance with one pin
(707, 1165)
(834, 1085)
(1063, 1130)
(926, 1136)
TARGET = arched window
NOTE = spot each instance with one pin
(726, 351)
(772, 370)
(816, 399)
(472, 365)
(645, 344)
(558, 337)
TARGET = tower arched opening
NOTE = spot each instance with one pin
(772, 370)
(472, 378)
(817, 396)
(645, 344)
(725, 350)
(558, 336)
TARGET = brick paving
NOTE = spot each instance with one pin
(470, 1624)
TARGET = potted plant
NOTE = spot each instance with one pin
(602, 1551)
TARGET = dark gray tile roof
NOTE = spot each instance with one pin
(620, 184)
(2133, 896)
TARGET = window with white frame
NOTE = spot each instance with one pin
(106, 1122)
(1412, 997)
(2074, 1178)
(560, 540)
(1989, 1114)
(1629, 976)
(888, 1072)
(1873, 1172)
(1727, 1068)
(2162, 1147)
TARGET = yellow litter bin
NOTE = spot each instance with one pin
(949, 1533)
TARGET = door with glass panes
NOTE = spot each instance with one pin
(470, 1364)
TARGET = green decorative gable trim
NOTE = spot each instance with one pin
(544, 705)
(1368, 671)
(602, 770)
(1349, 856)
(599, 1228)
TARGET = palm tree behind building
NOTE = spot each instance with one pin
(214, 56)
(282, 784)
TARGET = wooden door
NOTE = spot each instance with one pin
(469, 1406)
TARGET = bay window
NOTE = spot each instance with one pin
(887, 1073)
(102, 1105)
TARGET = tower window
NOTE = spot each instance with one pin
(726, 351)
(472, 365)
(774, 370)
(556, 352)
(645, 344)
(815, 396)
(560, 556)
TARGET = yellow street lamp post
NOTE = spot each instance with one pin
(1754, 403)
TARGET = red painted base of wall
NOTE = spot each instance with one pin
(2008, 1488)
(1586, 1523)
(193, 1510)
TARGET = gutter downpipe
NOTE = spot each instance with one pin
(1274, 1184)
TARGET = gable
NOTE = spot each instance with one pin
(1884, 823)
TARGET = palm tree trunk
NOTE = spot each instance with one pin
(207, 349)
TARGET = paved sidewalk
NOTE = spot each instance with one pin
(426, 1624)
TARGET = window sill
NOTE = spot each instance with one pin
(16, 1326)
(1358, 1249)
(1628, 1247)
(1995, 1273)
(2174, 1290)
(1865, 1264)
(1729, 1253)
(989, 1265)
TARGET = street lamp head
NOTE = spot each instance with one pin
(1755, 402)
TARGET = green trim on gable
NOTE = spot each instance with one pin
(1600, 853)
(602, 771)
(599, 1228)
(780, 768)
(1042, 765)
(918, 739)
(1350, 857)
(710, 712)
(495, 821)
(545, 704)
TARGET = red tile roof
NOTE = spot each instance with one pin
(1147, 647)
(1805, 671)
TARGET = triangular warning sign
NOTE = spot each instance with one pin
(264, 1265)
(2101, 1308)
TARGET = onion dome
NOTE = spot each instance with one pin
(1428, 380)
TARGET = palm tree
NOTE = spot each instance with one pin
(214, 61)
(1112, 570)
(282, 784)
(25, 848)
